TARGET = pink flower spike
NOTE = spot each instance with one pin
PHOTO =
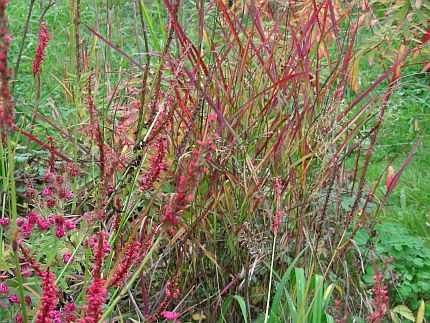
(44, 38)
(49, 300)
(170, 316)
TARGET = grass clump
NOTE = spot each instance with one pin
(178, 160)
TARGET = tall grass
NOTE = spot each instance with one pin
(177, 167)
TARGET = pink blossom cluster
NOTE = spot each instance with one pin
(55, 316)
(4, 289)
(171, 292)
(100, 239)
(187, 182)
(123, 130)
(44, 38)
(47, 310)
(57, 221)
(49, 300)
(6, 106)
(26, 270)
(170, 316)
(68, 256)
(95, 300)
(56, 189)
(158, 165)
(380, 297)
(12, 299)
(72, 170)
(69, 312)
(96, 292)
(4, 222)
(131, 257)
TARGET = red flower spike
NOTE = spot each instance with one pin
(44, 38)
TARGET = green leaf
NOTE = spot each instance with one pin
(292, 307)
(301, 288)
(227, 304)
(418, 262)
(277, 299)
(329, 318)
(21, 158)
(327, 294)
(347, 203)
(361, 237)
(317, 306)
(404, 311)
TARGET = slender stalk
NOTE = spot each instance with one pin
(266, 316)
(21, 46)
(13, 236)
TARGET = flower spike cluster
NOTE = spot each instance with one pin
(44, 38)
(6, 106)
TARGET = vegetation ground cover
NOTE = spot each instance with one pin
(214, 160)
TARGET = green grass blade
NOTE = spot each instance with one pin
(292, 307)
(150, 26)
(227, 304)
(329, 318)
(301, 288)
(318, 300)
(327, 296)
(277, 299)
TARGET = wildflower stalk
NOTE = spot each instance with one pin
(266, 316)
(2, 194)
(133, 278)
(70, 261)
(21, 46)
(13, 237)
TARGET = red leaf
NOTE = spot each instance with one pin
(426, 37)
(390, 177)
